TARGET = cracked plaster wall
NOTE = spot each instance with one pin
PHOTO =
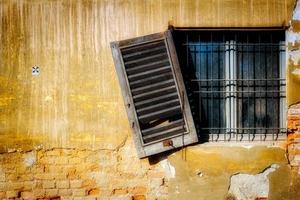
(66, 131)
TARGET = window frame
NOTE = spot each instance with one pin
(282, 68)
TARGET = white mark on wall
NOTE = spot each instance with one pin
(292, 37)
(48, 98)
(29, 159)
(249, 187)
(296, 71)
(168, 168)
(296, 15)
(294, 56)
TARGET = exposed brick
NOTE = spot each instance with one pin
(139, 197)
(88, 183)
(61, 161)
(74, 160)
(51, 192)
(156, 182)
(138, 190)
(54, 152)
(15, 185)
(2, 195)
(2, 186)
(78, 198)
(44, 176)
(49, 184)
(39, 192)
(27, 195)
(79, 192)
(120, 191)
(64, 192)
(94, 191)
(155, 174)
(11, 194)
(62, 184)
(94, 167)
(75, 183)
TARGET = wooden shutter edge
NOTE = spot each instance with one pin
(127, 97)
(181, 87)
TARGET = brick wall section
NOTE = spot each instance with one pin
(293, 126)
(79, 174)
(293, 115)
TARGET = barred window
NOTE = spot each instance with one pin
(235, 80)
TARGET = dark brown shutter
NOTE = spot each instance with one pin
(154, 93)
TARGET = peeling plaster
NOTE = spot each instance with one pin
(168, 168)
(248, 187)
(296, 71)
(30, 159)
(296, 15)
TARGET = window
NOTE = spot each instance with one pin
(235, 82)
(230, 83)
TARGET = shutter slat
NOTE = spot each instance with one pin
(162, 114)
(146, 60)
(153, 91)
(149, 66)
(170, 125)
(152, 87)
(144, 52)
(160, 106)
(168, 133)
(156, 100)
(148, 73)
(151, 80)
(139, 47)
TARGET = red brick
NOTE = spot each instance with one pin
(139, 197)
(293, 117)
(62, 184)
(2, 195)
(138, 190)
(75, 183)
(94, 191)
(120, 191)
(27, 195)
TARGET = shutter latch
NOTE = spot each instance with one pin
(167, 143)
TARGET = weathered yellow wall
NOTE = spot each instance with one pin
(76, 100)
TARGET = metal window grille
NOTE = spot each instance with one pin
(235, 82)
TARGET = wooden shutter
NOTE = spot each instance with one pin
(154, 93)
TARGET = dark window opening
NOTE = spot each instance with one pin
(235, 82)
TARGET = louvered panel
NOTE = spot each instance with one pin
(150, 86)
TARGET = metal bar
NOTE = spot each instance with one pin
(258, 91)
(253, 79)
(237, 44)
(262, 28)
(250, 128)
(282, 73)
(211, 76)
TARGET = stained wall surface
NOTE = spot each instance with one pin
(69, 122)
(76, 99)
